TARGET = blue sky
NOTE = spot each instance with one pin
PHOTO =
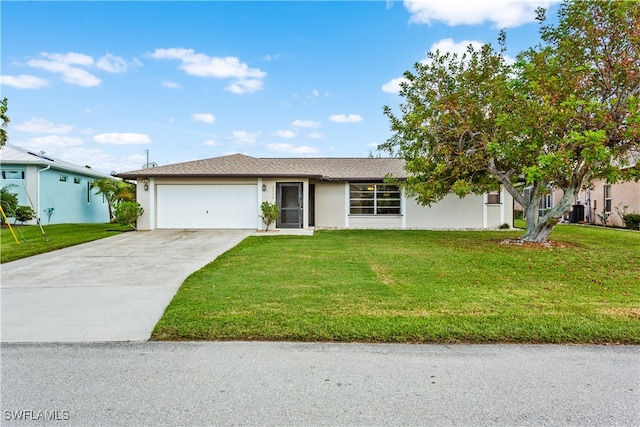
(100, 83)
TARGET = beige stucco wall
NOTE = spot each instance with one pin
(450, 212)
(624, 193)
(330, 204)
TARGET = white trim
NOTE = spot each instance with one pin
(485, 200)
(153, 219)
(347, 204)
(259, 192)
(403, 208)
(502, 204)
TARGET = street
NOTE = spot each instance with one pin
(277, 383)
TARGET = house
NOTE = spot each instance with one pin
(226, 192)
(58, 191)
(603, 197)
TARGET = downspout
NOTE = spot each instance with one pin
(38, 200)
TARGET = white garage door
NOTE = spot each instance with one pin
(207, 206)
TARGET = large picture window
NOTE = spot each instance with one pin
(374, 199)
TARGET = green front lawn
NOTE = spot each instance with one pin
(416, 286)
(33, 242)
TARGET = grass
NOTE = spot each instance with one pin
(415, 286)
(58, 236)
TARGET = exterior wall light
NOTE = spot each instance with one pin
(264, 187)
(145, 181)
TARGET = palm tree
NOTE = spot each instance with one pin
(114, 191)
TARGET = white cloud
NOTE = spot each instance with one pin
(305, 124)
(212, 143)
(67, 66)
(116, 138)
(245, 85)
(285, 134)
(303, 150)
(40, 125)
(444, 46)
(246, 79)
(170, 85)
(502, 13)
(275, 57)
(245, 138)
(23, 81)
(448, 45)
(316, 135)
(52, 141)
(393, 85)
(114, 64)
(342, 118)
(315, 92)
(203, 117)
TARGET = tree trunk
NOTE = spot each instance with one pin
(539, 228)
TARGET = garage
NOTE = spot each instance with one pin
(207, 206)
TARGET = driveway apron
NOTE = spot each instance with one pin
(113, 289)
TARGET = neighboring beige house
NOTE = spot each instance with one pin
(226, 192)
(606, 197)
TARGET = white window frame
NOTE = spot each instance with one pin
(608, 198)
(373, 188)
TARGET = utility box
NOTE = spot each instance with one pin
(577, 214)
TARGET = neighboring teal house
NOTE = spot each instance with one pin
(60, 192)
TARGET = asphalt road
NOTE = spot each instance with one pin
(261, 383)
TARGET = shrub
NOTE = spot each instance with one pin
(270, 212)
(631, 221)
(9, 202)
(24, 214)
(126, 213)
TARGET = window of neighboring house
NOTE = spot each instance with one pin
(493, 198)
(63, 178)
(89, 185)
(607, 198)
(12, 174)
(374, 199)
(77, 180)
(546, 200)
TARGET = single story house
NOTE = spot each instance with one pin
(227, 191)
(59, 192)
(600, 197)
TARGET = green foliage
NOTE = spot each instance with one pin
(126, 213)
(604, 217)
(566, 112)
(5, 121)
(270, 212)
(631, 221)
(114, 191)
(9, 202)
(24, 214)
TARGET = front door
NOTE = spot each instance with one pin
(289, 200)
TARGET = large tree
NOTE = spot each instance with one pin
(565, 113)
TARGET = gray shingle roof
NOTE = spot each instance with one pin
(241, 166)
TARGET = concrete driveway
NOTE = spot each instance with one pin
(114, 289)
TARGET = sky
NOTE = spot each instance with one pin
(104, 83)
